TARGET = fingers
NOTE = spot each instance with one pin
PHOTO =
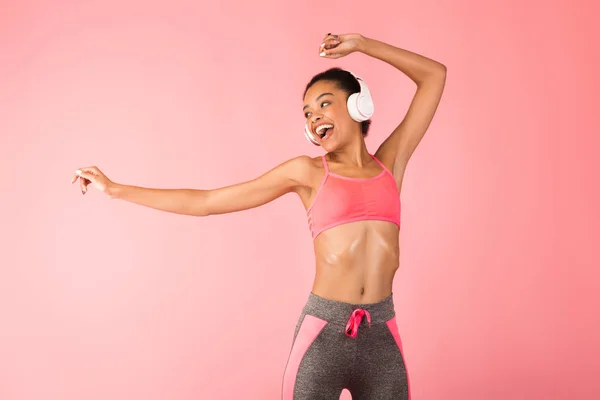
(82, 186)
(329, 42)
(84, 180)
(90, 173)
(91, 170)
(330, 53)
(86, 176)
(328, 47)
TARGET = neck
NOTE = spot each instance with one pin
(355, 154)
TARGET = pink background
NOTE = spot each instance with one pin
(497, 294)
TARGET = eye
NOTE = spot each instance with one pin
(323, 104)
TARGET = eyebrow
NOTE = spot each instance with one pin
(321, 95)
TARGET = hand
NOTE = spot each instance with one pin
(336, 46)
(92, 175)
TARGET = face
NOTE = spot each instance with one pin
(327, 115)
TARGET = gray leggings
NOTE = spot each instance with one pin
(335, 348)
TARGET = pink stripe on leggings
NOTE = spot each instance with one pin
(308, 332)
(394, 330)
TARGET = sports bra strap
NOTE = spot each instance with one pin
(325, 165)
(382, 165)
(375, 158)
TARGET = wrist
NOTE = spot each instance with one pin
(114, 190)
(362, 43)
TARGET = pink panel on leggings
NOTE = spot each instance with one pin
(393, 327)
(308, 332)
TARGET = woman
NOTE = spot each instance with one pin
(352, 200)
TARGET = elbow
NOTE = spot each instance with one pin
(199, 214)
(438, 77)
(435, 75)
(201, 211)
(199, 204)
(439, 71)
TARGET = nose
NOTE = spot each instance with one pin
(315, 119)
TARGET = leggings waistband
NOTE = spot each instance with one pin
(338, 312)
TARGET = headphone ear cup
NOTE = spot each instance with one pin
(309, 136)
(353, 110)
(365, 103)
(360, 105)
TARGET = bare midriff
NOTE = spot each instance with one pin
(356, 262)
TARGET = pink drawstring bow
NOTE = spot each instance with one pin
(354, 321)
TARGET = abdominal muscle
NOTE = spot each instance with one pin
(356, 262)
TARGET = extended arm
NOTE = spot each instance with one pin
(282, 179)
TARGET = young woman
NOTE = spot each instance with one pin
(352, 200)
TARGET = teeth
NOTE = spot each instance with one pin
(322, 127)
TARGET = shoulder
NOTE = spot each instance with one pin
(301, 171)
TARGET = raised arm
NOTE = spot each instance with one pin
(284, 178)
(430, 78)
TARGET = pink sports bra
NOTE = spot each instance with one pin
(341, 199)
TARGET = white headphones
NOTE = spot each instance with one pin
(360, 107)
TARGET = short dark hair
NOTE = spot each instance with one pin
(345, 81)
